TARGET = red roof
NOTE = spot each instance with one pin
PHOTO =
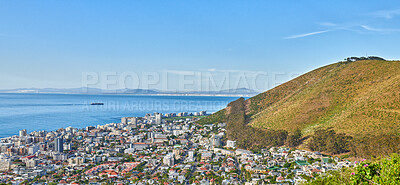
(140, 143)
(315, 170)
(30, 156)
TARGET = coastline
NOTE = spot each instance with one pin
(50, 111)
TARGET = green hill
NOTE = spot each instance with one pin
(356, 98)
(360, 99)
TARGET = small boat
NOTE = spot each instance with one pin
(96, 103)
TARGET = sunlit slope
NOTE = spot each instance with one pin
(355, 98)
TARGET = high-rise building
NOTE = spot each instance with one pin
(59, 145)
(182, 114)
(230, 144)
(190, 154)
(169, 159)
(22, 133)
(158, 117)
(216, 140)
(124, 120)
(132, 122)
(33, 149)
(177, 153)
(5, 164)
(90, 128)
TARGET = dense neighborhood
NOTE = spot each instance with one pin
(154, 149)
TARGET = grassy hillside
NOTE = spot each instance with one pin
(356, 98)
(357, 103)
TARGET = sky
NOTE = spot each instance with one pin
(68, 44)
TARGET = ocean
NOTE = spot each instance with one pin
(49, 112)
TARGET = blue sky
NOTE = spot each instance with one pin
(51, 43)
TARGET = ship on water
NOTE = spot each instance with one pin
(96, 103)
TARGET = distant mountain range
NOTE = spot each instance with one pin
(84, 90)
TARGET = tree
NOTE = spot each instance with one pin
(327, 140)
(294, 139)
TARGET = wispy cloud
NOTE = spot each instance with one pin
(327, 24)
(369, 28)
(306, 34)
(387, 14)
(356, 28)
